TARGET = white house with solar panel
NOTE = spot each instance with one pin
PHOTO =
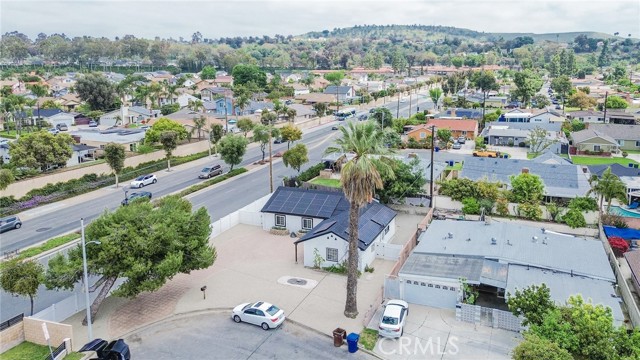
(324, 216)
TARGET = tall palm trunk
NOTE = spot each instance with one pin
(351, 305)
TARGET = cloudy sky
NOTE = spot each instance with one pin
(218, 18)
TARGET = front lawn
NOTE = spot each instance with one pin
(326, 182)
(368, 338)
(589, 160)
(30, 351)
(456, 166)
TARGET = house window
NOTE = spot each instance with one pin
(445, 288)
(620, 142)
(332, 254)
(307, 223)
(430, 285)
(596, 147)
(437, 286)
(281, 220)
(637, 143)
(423, 135)
(386, 230)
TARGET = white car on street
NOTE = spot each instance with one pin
(144, 180)
(393, 319)
(263, 314)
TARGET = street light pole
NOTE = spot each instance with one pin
(86, 281)
(270, 160)
(433, 135)
(226, 117)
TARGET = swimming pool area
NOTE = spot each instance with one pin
(617, 210)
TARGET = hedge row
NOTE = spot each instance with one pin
(89, 182)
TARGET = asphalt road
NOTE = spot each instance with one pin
(216, 336)
(51, 220)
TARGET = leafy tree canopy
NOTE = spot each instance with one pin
(97, 91)
(408, 180)
(296, 157)
(232, 149)
(526, 188)
(41, 150)
(161, 125)
(208, 72)
(249, 75)
(22, 278)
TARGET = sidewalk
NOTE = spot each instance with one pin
(252, 265)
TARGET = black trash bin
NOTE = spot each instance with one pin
(352, 342)
(338, 337)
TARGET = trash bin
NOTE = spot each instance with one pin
(338, 337)
(436, 149)
(352, 342)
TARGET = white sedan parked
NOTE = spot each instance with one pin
(144, 180)
(393, 319)
(263, 314)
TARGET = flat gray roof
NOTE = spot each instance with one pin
(515, 244)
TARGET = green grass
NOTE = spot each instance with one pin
(31, 351)
(327, 182)
(587, 160)
(456, 166)
(368, 338)
(532, 155)
(632, 151)
(48, 245)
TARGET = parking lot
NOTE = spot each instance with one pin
(216, 336)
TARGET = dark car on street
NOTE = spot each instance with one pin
(135, 196)
(10, 223)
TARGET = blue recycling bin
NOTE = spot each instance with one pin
(436, 149)
(352, 342)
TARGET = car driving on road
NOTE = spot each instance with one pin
(393, 319)
(10, 223)
(210, 171)
(144, 180)
(135, 196)
(263, 314)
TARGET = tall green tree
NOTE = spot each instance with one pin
(152, 135)
(6, 178)
(407, 180)
(290, 133)
(360, 177)
(562, 85)
(535, 347)
(608, 187)
(527, 84)
(97, 91)
(539, 140)
(232, 149)
(532, 302)
(208, 72)
(169, 141)
(485, 81)
(382, 116)
(114, 155)
(435, 94)
(616, 102)
(262, 136)
(444, 136)
(296, 157)
(526, 188)
(215, 134)
(334, 77)
(245, 125)
(41, 150)
(249, 75)
(144, 246)
(199, 124)
(22, 278)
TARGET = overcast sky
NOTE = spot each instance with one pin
(222, 18)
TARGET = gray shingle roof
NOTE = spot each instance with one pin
(586, 134)
(618, 131)
(559, 180)
(617, 169)
(373, 219)
(526, 126)
(341, 90)
(551, 158)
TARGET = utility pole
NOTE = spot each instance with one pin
(270, 159)
(226, 117)
(398, 107)
(606, 96)
(409, 103)
(433, 136)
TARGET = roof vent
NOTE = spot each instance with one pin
(494, 241)
(534, 239)
(544, 230)
(450, 235)
(487, 220)
(525, 170)
(509, 242)
(544, 241)
(468, 239)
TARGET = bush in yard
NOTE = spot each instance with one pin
(486, 205)
(470, 206)
(502, 206)
(618, 245)
(625, 154)
(311, 172)
(574, 219)
(459, 189)
(584, 204)
(530, 211)
(614, 220)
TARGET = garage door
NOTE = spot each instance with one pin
(435, 295)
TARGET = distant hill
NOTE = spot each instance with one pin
(434, 32)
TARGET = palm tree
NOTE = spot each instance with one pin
(290, 114)
(142, 94)
(360, 177)
(156, 91)
(199, 124)
(608, 187)
(241, 103)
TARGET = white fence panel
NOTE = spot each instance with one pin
(388, 251)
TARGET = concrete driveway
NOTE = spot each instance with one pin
(516, 152)
(432, 333)
(216, 336)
